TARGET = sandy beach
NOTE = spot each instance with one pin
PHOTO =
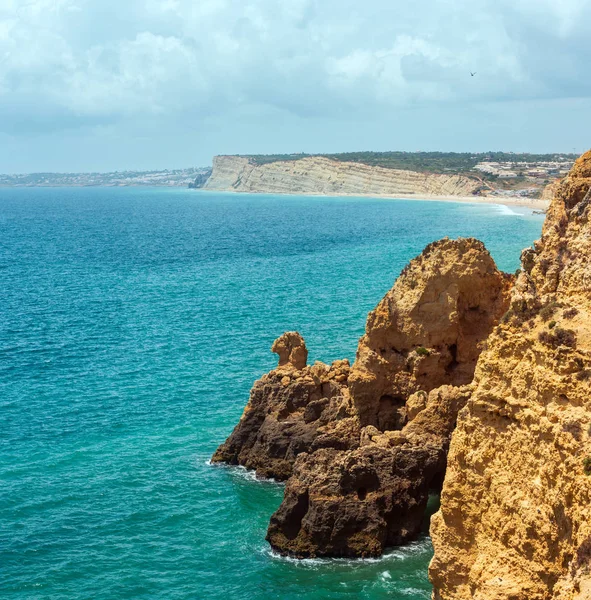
(533, 203)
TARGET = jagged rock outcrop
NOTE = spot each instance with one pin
(201, 179)
(291, 349)
(428, 329)
(363, 445)
(356, 503)
(319, 175)
(289, 412)
(515, 518)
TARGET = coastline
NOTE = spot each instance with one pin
(279, 251)
(531, 203)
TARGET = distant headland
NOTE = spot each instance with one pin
(500, 177)
(191, 177)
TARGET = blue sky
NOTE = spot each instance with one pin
(122, 84)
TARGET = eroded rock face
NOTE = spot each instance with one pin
(291, 349)
(353, 503)
(428, 329)
(357, 503)
(365, 444)
(515, 518)
(289, 411)
(319, 175)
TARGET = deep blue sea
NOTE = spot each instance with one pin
(132, 325)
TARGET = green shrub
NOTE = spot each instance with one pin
(422, 351)
(552, 324)
(587, 465)
(546, 338)
(507, 316)
(566, 337)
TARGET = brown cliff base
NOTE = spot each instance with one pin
(515, 518)
(357, 503)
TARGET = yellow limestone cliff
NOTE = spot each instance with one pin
(515, 518)
(318, 175)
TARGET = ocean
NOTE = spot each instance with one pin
(134, 322)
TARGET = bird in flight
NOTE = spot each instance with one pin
(472, 74)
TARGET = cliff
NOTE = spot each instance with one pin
(515, 518)
(549, 191)
(445, 394)
(200, 180)
(362, 446)
(428, 329)
(318, 175)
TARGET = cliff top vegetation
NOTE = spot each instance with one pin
(432, 162)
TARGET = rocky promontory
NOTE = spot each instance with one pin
(362, 446)
(467, 381)
(292, 409)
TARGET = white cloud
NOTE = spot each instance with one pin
(96, 78)
(100, 59)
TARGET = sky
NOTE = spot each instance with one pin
(100, 85)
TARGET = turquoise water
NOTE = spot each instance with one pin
(133, 324)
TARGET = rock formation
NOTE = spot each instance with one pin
(289, 411)
(364, 445)
(515, 518)
(201, 179)
(318, 175)
(549, 191)
(356, 503)
(428, 329)
(291, 349)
